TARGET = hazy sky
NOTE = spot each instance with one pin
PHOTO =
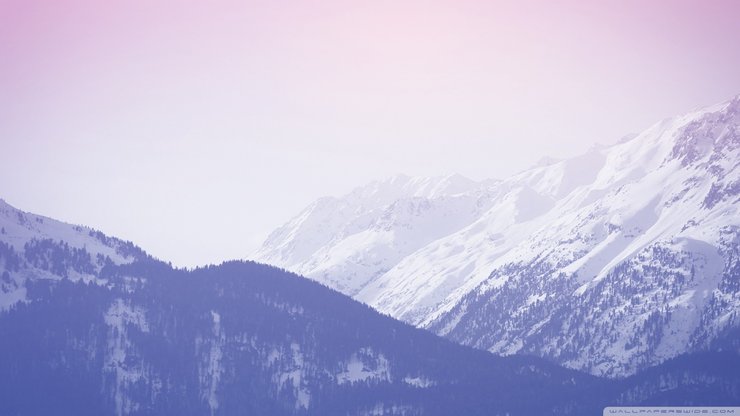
(193, 128)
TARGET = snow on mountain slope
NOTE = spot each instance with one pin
(421, 288)
(509, 265)
(347, 242)
(643, 272)
(33, 247)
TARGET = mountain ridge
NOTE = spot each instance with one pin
(138, 337)
(672, 187)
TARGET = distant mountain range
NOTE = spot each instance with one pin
(92, 325)
(610, 262)
(622, 262)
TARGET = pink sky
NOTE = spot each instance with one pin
(137, 117)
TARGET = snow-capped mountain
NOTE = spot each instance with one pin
(54, 250)
(609, 262)
(104, 329)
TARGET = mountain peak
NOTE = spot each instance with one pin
(547, 161)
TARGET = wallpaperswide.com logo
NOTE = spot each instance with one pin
(671, 410)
